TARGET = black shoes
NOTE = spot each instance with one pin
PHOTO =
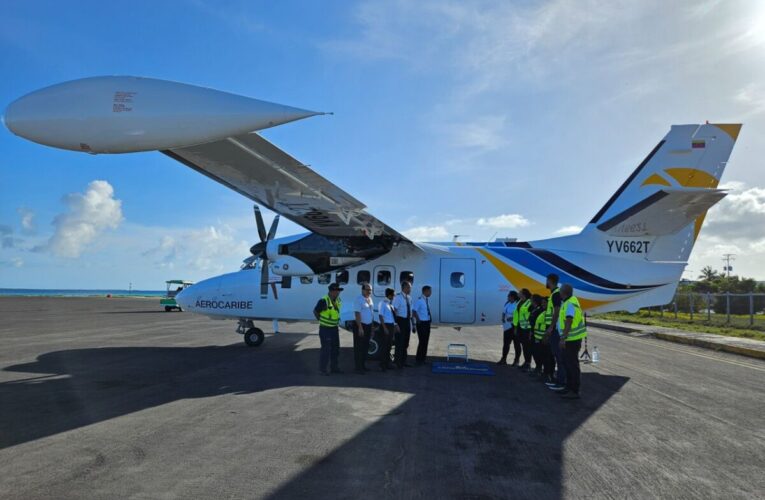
(502, 361)
(336, 370)
(570, 395)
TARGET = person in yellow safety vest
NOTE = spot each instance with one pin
(573, 330)
(517, 344)
(524, 324)
(538, 329)
(327, 311)
(552, 337)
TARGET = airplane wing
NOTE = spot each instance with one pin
(255, 168)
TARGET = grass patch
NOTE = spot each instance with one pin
(738, 327)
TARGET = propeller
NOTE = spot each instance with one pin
(259, 249)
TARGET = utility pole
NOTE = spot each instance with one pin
(727, 257)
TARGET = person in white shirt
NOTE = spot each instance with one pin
(363, 310)
(421, 312)
(387, 327)
(507, 325)
(402, 305)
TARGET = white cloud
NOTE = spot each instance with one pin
(87, 216)
(566, 230)
(427, 233)
(485, 133)
(504, 221)
(27, 219)
(205, 249)
(16, 262)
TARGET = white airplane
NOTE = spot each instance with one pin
(630, 255)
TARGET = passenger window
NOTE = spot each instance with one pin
(458, 280)
(406, 276)
(324, 279)
(341, 278)
(306, 280)
(383, 278)
(363, 277)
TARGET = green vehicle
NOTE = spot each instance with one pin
(173, 287)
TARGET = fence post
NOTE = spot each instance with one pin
(709, 307)
(751, 309)
(661, 311)
(690, 304)
(727, 308)
(675, 304)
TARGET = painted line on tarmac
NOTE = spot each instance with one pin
(684, 351)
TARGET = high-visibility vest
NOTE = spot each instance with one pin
(517, 313)
(523, 316)
(540, 327)
(331, 315)
(578, 328)
(551, 307)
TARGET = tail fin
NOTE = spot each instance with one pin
(666, 198)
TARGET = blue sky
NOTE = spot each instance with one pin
(503, 118)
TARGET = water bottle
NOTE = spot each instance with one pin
(595, 355)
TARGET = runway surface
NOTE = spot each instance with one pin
(113, 398)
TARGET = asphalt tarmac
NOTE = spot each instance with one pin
(114, 398)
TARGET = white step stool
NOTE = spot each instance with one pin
(457, 351)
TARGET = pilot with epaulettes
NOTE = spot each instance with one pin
(402, 306)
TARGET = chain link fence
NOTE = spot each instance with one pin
(741, 310)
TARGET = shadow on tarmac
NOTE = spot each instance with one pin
(456, 436)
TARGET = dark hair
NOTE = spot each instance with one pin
(389, 292)
(526, 293)
(536, 299)
(514, 295)
(553, 277)
(425, 288)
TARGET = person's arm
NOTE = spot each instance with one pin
(415, 315)
(320, 306)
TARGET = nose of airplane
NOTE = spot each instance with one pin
(184, 299)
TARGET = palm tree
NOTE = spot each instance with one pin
(708, 274)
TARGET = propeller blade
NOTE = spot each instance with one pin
(272, 229)
(264, 278)
(261, 225)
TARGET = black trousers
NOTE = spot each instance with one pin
(571, 361)
(361, 344)
(329, 336)
(548, 360)
(517, 344)
(507, 339)
(402, 340)
(423, 337)
(383, 338)
(526, 343)
(536, 353)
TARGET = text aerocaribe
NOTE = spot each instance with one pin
(224, 304)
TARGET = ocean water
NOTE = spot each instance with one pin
(33, 292)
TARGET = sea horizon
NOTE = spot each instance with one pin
(78, 292)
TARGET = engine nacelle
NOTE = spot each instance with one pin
(317, 254)
(290, 266)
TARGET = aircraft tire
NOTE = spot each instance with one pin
(168, 309)
(254, 337)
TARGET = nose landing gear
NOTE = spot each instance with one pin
(253, 336)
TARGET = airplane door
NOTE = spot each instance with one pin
(457, 299)
(382, 279)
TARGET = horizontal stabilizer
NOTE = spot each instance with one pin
(665, 212)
